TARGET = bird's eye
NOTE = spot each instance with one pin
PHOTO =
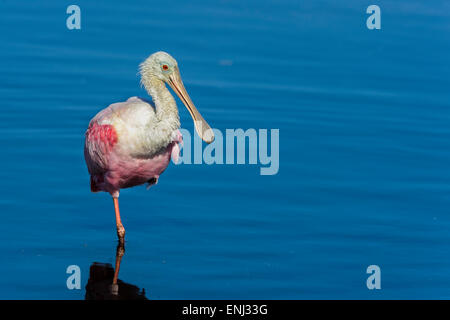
(165, 67)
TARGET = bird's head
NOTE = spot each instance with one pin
(163, 67)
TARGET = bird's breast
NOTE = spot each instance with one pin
(133, 128)
(145, 140)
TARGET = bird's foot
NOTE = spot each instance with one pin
(121, 234)
(152, 182)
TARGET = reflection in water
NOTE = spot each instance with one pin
(103, 283)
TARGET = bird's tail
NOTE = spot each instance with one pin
(94, 187)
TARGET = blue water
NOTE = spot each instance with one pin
(364, 149)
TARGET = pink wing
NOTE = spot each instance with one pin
(99, 141)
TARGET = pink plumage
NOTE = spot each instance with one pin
(111, 167)
(131, 143)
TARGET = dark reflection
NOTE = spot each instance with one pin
(104, 284)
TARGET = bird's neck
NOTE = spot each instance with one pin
(166, 107)
(160, 133)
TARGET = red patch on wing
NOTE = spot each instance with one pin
(104, 134)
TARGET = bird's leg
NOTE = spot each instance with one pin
(120, 251)
(120, 228)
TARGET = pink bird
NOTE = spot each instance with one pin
(131, 143)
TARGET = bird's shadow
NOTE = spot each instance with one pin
(104, 282)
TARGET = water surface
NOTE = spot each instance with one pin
(364, 149)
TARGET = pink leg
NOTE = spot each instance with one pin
(120, 228)
(119, 254)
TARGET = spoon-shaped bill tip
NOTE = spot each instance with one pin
(204, 131)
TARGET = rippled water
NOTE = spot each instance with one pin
(364, 149)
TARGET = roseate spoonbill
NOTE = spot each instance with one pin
(131, 143)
